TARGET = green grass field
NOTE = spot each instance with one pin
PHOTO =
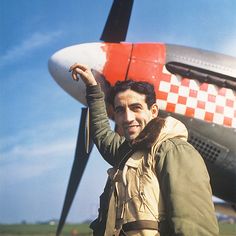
(75, 230)
(44, 230)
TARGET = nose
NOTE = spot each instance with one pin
(129, 115)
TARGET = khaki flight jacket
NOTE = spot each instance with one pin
(181, 172)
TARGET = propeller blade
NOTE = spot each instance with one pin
(116, 27)
(82, 153)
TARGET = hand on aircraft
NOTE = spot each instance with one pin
(85, 73)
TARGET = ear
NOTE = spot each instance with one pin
(154, 110)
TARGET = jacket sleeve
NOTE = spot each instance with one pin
(186, 190)
(106, 140)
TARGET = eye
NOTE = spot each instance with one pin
(119, 110)
(136, 107)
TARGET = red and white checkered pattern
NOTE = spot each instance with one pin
(198, 100)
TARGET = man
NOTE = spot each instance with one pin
(159, 184)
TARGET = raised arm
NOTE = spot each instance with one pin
(107, 141)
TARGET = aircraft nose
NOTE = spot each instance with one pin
(90, 54)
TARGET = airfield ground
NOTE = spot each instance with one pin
(226, 229)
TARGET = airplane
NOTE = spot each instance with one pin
(196, 86)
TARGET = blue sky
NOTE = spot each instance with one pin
(39, 121)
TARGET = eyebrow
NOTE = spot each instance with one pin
(131, 105)
(136, 104)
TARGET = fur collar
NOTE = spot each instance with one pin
(149, 134)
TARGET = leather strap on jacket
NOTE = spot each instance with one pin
(139, 225)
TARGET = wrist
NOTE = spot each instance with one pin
(93, 83)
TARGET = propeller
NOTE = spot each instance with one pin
(116, 27)
(82, 152)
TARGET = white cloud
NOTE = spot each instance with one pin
(31, 161)
(45, 150)
(40, 134)
(35, 41)
(38, 151)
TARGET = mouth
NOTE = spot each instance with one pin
(131, 128)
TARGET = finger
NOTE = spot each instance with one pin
(74, 76)
(84, 67)
(80, 66)
(74, 66)
(80, 72)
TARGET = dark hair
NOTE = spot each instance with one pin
(138, 86)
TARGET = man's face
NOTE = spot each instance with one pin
(132, 113)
